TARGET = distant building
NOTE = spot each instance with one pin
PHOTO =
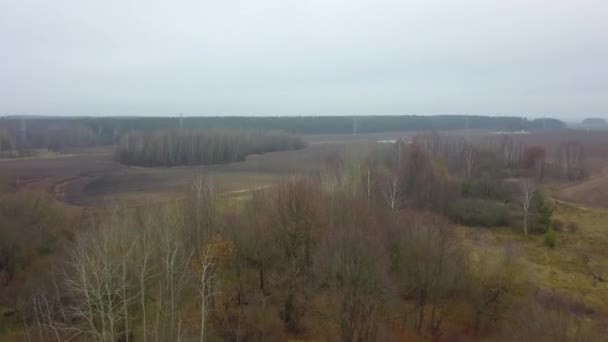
(398, 145)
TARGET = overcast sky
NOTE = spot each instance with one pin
(304, 57)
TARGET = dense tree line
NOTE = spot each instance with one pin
(61, 137)
(193, 147)
(18, 140)
(10, 146)
(107, 130)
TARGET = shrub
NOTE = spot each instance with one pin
(484, 188)
(541, 212)
(479, 212)
(550, 238)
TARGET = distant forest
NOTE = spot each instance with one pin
(60, 132)
(594, 121)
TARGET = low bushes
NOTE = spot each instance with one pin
(485, 188)
(541, 212)
(550, 238)
(479, 212)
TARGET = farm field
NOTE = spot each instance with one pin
(91, 176)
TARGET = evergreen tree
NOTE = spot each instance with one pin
(541, 212)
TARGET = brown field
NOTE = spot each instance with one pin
(90, 177)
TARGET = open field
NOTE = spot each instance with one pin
(559, 271)
(91, 176)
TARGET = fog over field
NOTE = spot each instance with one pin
(315, 57)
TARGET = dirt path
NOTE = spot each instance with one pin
(246, 190)
(592, 192)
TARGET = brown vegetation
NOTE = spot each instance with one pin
(363, 249)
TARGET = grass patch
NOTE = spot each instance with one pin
(559, 270)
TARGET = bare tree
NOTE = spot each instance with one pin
(357, 289)
(97, 281)
(512, 152)
(453, 150)
(534, 158)
(332, 175)
(204, 208)
(350, 265)
(421, 182)
(174, 257)
(528, 189)
(428, 260)
(295, 217)
(370, 181)
(430, 142)
(116, 275)
(539, 168)
(204, 270)
(215, 254)
(571, 159)
(393, 194)
(470, 157)
(144, 274)
(489, 282)
(254, 240)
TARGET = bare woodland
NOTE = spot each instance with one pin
(363, 249)
(192, 147)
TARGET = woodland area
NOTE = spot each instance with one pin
(370, 248)
(303, 171)
(18, 135)
(193, 147)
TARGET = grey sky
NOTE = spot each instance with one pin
(304, 57)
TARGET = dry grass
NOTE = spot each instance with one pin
(561, 270)
(89, 177)
(592, 191)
